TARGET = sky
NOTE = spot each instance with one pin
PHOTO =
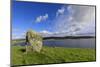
(50, 19)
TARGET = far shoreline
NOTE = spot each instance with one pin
(66, 37)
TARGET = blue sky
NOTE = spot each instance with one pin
(50, 19)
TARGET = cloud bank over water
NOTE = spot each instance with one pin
(76, 20)
(73, 20)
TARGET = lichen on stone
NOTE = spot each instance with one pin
(35, 40)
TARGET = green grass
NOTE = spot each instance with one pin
(51, 55)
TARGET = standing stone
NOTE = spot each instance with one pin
(35, 40)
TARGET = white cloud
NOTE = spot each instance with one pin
(18, 36)
(45, 32)
(75, 19)
(42, 18)
(60, 11)
(17, 33)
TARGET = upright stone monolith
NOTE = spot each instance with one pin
(35, 40)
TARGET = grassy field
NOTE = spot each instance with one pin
(51, 55)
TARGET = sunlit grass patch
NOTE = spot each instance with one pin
(51, 55)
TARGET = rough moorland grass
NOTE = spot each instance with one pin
(51, 55)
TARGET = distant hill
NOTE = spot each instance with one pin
(69, 37)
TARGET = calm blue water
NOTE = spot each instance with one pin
(71, 43)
